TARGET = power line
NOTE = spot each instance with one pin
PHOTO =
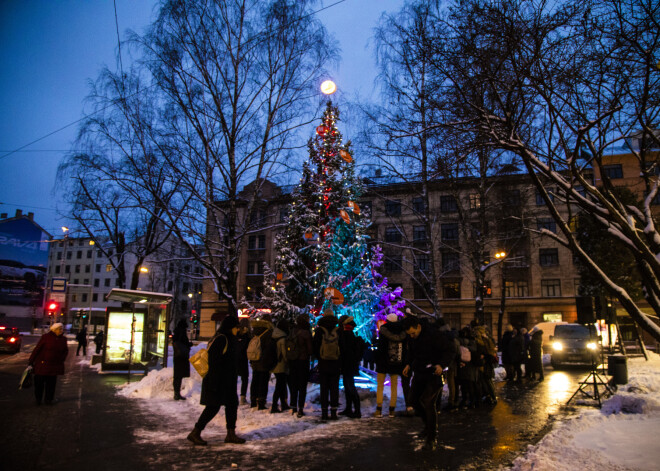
(264, 34)
(27, 206)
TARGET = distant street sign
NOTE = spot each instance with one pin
(58, 285)
(58, 297)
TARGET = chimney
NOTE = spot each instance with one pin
(31, 216)
(19, 213)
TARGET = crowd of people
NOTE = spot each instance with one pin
(422, 353)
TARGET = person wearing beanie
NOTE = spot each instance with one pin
(47, 361)
(390, 359)
(219, 384)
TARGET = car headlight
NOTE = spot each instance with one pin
(591, 345)
(557, 346)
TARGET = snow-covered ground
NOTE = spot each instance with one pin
(620, 436)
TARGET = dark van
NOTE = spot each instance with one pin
(574, 344)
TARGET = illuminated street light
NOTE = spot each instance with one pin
(144, 270)
(328, 87)
(65, 229)
(190, 295)
(500, 255)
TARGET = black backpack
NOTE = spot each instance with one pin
(330, 344)
(291, 347)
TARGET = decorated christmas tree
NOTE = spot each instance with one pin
(322, 256)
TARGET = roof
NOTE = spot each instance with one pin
(138, 296)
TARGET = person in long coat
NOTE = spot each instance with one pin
(536, 355)
(329, 370)
(47, 361)
(299, 368)
(243, 339)
(181, 358)
(219, 384)
(390, 360)
(281, 368)
(81, 337)
(351, 348)
(517, 354)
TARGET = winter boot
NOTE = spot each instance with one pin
(285, 407)
(261, 404)
(243, 400)
(379, 411)
(253, 403)
(333, 414)
(391, 413)
(324, 415)
(300, 413)
(233, 438)
(294, 410)
(347, 412)
(196, 437)
(274, 409)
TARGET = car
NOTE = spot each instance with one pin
(574, 344)
(10, 339)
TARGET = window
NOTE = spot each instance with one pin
(95, 297)
(57, 269)
(516, 289)
(170, 284)
(96, 282)
(59, 255)
(98, 268)
(418, 205)
(255, 268)
(89, 253)
(550, 288)
(79, 254)
(475, 201)
(546, 223)
(185, 287)
(450, 261)
(393, 207)
(75, 281)
(74, 298)
(106, 282)
(76, 269)
(67, 269)
(88, 268)
(68, 255)
(451, 290)
(512, 197)
(257, 242)
(421, 291)
(392, 235)
(117, 282)
(548, 257)
(448, 204)
(613, 172)
(539, 198)
(419, 234)
(80, 242)
(392, 263)
(108, 267)
(449, 232)
(422, 263)
(84, 297)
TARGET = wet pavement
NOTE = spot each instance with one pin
(93, 428)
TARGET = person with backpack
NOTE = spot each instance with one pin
(326, 349)
(262, 357)
(299, 351)
(466, 373)
(390, 360)
(430, 353)
(219, 384)
(281, 368)
(350, 348)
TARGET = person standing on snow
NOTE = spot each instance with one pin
(262, 328)
(326, 349)
(219, 384)
(535, 363)
(430, 352)
(390, 360)
(243, 339)
(181, 357)
(299, 368)
(81, 337)
(351, 348)
(281, 368)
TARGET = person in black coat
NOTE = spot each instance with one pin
(517, 355)
(243, 340)
(81, 337)
(535, 363)
(504, 348)
(181, 358)
(430, 352)
(219, 384)
(390, 360)
(263, 328)
(329, 369)
(98, 341)
(299, 368)
(351, 348)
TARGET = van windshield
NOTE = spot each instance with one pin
(573, 331)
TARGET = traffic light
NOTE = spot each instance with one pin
(52, 308)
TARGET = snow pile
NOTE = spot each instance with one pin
(620, 436)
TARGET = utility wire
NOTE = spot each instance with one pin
(265, 36)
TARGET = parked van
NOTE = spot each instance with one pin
(548, 329)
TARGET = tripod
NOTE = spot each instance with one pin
(595, 381)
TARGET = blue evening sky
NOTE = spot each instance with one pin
(50, 49)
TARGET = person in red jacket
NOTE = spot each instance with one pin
(47, 361)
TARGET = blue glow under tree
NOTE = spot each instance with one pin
(322, 257)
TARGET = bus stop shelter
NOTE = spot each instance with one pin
(136, 334)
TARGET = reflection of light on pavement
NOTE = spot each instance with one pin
(559, 390)
(504, 422)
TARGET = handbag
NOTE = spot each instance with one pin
(200, 360)
(26, 378)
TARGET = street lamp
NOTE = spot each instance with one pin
(499, 255)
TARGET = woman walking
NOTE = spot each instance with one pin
(181, 358)
(47, 361)
(219, 384)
